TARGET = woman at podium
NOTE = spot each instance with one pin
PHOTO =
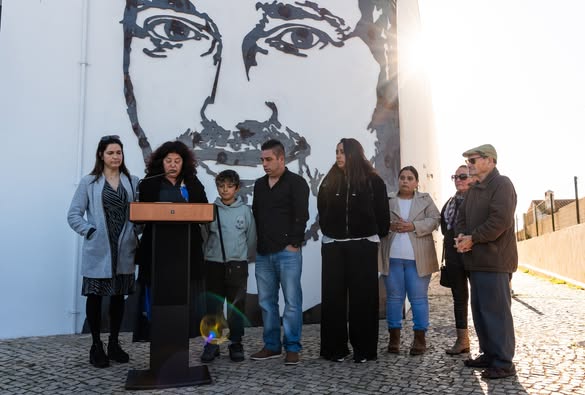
(171, 177)
(99, 213)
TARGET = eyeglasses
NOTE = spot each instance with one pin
(462, 177)
(110, 137)
(471, 161)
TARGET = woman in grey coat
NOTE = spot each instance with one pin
(99, 213)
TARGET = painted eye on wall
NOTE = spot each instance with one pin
(295, 39)
(174, 29)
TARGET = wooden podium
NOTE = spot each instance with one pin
(171, 251)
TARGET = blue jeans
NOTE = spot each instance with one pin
(403, 280)
(281, 269)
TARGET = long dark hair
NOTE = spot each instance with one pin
(98, 167)
(155, 162)
(357, 168)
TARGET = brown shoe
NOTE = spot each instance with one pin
(292, 358)
(498, 373)
(265, 354)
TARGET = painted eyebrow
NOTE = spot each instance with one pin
(306, 10)
(186, 8)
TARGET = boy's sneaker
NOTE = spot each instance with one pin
(210, 351)
(265, 354)
(236, 352)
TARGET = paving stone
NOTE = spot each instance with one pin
(550, 357)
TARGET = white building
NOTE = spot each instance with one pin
(324, 72)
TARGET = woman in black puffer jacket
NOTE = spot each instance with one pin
(354, 216)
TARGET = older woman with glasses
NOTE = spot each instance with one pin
(457, 276)
(99, 213)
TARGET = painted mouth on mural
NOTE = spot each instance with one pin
(242, 147)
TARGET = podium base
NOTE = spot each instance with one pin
(148, 379)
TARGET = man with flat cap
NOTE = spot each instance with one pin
(485, 229)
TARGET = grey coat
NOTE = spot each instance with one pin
(85, 212)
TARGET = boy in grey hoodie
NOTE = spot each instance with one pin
(231, 241)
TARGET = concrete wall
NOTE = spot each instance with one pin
(559, 253)
(564, 218)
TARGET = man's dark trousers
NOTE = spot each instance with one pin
(492, 316)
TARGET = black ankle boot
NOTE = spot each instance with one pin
(115, 352)
(97, 356)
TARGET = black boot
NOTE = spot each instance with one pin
(97, 356)
(210, 352)
(115, 352)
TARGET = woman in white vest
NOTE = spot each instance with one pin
(412, 259)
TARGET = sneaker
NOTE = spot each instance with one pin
(236, 352)
(97, 356)
(265, 354)
(292, 358)
(339, 358)
(359, 359)
(210, 351)
(115, 352)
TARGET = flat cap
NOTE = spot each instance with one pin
(487, 150)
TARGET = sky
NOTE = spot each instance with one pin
(510, 73)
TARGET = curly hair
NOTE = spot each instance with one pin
(155, 162)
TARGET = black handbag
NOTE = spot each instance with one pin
(444, 280)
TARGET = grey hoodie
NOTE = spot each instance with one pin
(238, 230)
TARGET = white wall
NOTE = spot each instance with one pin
(47, 149)
(417, 124)
(39, 73)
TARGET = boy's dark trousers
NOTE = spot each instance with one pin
(229, 282)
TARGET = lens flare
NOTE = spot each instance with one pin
(214, 329)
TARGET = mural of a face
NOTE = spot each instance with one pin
(225, 76)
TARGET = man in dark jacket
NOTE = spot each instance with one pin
(485, 228)
(281, 211)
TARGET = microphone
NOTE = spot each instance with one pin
(146, 178)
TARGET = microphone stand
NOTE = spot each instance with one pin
(137, 198)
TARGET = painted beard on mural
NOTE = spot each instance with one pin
(224, 77)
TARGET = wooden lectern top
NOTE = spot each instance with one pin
(171, 212)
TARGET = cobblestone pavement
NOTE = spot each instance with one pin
(550, 358)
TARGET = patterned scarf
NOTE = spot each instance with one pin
(451, 210)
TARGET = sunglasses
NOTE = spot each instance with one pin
(471, 161)
(462, 177)
(110, 137)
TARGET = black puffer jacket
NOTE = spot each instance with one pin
(348, 212)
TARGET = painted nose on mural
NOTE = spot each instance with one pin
(237, 99)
